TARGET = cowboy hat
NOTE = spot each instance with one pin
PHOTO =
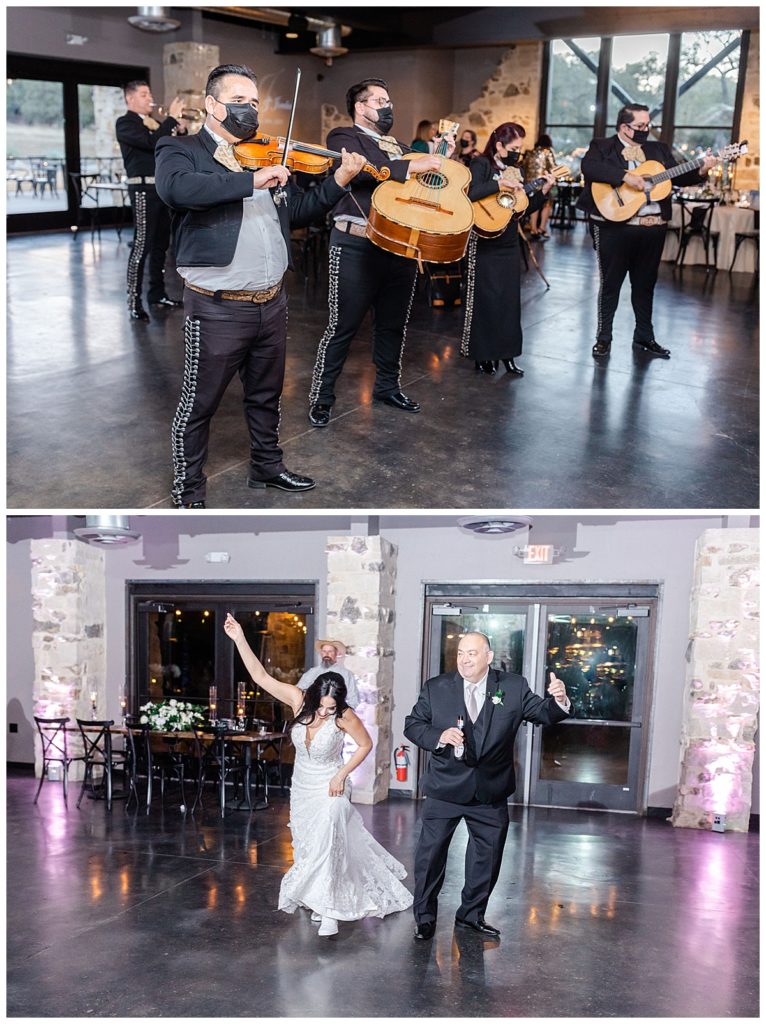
(340, 647)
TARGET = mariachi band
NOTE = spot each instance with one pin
(233, 201)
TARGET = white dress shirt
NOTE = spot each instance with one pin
(352, 694)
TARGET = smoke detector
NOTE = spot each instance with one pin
(154, 19)
(495, 524)
(329, 44)
(107, 531)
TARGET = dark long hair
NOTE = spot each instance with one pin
(504, 133)
(328, 684)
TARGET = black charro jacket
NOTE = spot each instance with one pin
(354, 140)
(205, 199)
(486, 772)
(137, 142)
(604, 162)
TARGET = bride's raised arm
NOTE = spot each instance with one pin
(284, 692)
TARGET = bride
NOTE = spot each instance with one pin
(340, 872)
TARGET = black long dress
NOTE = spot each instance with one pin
(492, 324)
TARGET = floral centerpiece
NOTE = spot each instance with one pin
(171, 715)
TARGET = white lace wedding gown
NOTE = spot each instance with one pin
(339, 870)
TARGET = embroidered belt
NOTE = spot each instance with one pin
(264, 296)
(650, 221)
(140, 181)
(351, 228)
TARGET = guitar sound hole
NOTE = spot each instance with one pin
(506, 201)
(432, 179)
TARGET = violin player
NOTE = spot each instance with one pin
(362, 275)
(232, 242)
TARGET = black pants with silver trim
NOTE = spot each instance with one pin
(627, 250)
(363, 277)
(221, 339)
(151, 238)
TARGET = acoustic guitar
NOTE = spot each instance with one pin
(428, 217)
(623, 202)
(492, 214)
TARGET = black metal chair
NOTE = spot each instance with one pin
(53, 737)
(100, 753)
(748, 236)
(696, 220)
(140, 761)
(227, 762)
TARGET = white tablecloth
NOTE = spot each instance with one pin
(727, 221)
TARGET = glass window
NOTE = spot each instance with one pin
(35, 165)
(637, 75)
(99, 107)
(572, 81)
(181, 644)
(707, 88)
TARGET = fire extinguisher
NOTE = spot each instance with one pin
(401, 760)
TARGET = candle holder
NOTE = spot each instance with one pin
(241, 705)
(213, 703)
(93, 701)
(124, 708)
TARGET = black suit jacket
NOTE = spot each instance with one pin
(604, 162)
(137, 142)
(486, 772)
(206, 201)
(363, 185)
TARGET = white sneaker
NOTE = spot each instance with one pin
(329, 926)
(316, 918)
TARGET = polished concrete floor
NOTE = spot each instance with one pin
(601, 916)
(91, 397)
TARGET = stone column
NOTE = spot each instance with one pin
(185, 69)
(722, 683)
(361, 577)
(69, 614)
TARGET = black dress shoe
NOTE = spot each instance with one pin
(193, 504)
(137, 313)
(399, 401)
(319, 415)
(425, 930)
(480, 926)
(602, 348)
(653, 347)
(284, 481)
(511, 367)
(166, 301)
(486, 366)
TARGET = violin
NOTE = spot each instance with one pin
(269, 150)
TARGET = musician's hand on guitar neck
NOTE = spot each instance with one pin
(510, 184)
(550, 181)
(451, 141)
(707, 164)
(634, 180)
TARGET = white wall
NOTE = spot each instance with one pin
(613, 550)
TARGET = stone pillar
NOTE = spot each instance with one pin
(185, 69)
(722, 683)
(747, 170)
(361, 577)
(69, 614)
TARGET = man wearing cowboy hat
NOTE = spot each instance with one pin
(329, 652)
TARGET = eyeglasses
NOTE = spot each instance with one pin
(641, 127)
(378, 102)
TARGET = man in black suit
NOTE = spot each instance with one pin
(232, 244)
(470, 774)
(361, 274)
(635, 246)
(138, 134)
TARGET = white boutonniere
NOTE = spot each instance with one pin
(497, 697)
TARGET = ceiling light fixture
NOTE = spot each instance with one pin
(154, 19)
(107, 531)
(499, 524)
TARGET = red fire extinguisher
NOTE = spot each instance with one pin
(401, 760)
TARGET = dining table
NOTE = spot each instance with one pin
(727, 221)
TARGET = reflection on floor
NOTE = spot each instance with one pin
(91, 398)
(601, 915)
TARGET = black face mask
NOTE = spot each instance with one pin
(639, 137)
(241, 120)
(385, 119)
(465, 143)
(512, 159)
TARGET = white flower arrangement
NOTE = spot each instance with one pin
(171, 716)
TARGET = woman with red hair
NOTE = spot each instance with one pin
(492, 326)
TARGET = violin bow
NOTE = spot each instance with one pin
(280, 195)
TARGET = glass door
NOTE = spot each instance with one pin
(594, 758)
(36, 168)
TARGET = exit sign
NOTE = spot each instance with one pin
(538, 554)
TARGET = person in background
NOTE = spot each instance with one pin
(137, 134)
(537, 162)
(329, 652)
(466, 147)
(424, 137)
